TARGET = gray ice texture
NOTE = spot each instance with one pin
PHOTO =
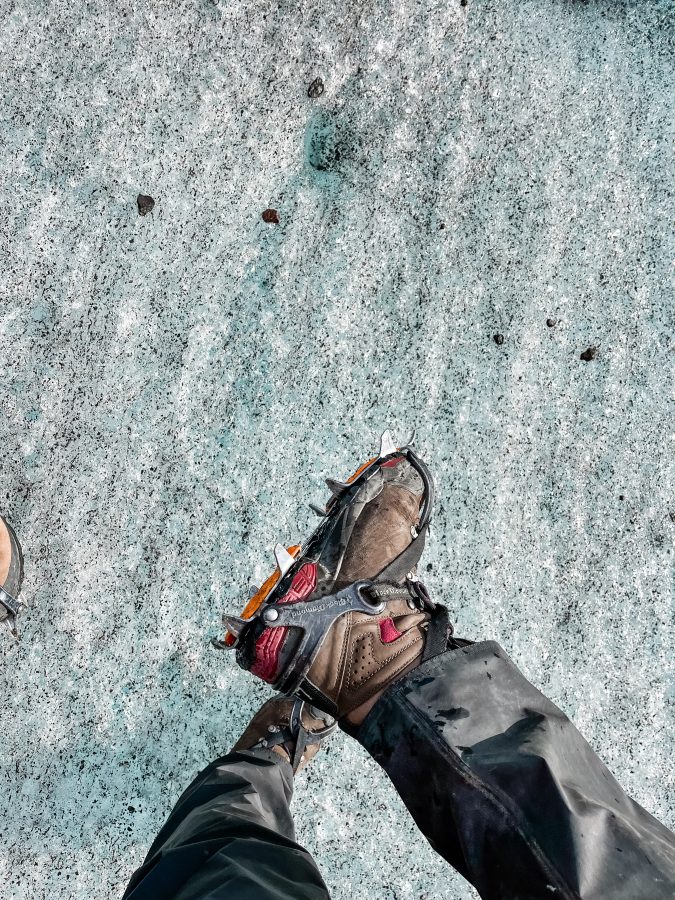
(176, 385)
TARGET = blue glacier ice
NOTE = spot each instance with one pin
(177, 384)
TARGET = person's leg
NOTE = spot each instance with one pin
(507, 790)
(231, 834)
(496, 776)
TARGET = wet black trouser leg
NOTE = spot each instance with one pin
(498, 779)
(230, 836)
(506, 789)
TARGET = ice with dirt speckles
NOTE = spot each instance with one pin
(176, 385)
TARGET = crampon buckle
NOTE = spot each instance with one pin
(288, 560)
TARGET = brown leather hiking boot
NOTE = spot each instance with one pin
(290, 727)
(347, 615)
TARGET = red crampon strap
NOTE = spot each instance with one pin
(269, 643)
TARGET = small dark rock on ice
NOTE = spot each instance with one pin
(499, 339)
(589, 354)
(551, 323)
(271, 215)
(145, 204)
(315, 89)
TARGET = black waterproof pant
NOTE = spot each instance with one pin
(496, 777)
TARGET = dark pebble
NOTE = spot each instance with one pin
(620, 496)
(429, 567)
(271, 215)
(442, 225)
(145, 204)
(589, 354)
(131, 808)
(551, 322)
(499, 339)
(463, 2)
(315, 89)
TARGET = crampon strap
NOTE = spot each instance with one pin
(439, 630)
(406, 561)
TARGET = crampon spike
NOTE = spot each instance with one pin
(336, 487)
(283, 558)
(220, 645)
(234, 624)
(387, 446)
